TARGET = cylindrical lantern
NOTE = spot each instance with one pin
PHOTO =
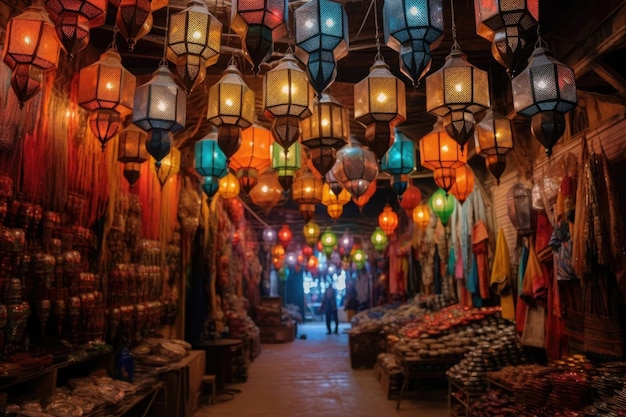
(399, 161)
(545, 90)
(520, 211)
(494, 135)
(209, 160)
(388, 220)
(442, 204)
(132, 151)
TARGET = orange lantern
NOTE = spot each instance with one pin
(464, 183)
(306, 190)
(421, 215)
(285, 235)
(134, 20)
(439, 150)
(444, 177)
(362, 200)
(229, 186)
(334, 202)
(253, 156)
(334, 210)
(388, 220)
(267, 192)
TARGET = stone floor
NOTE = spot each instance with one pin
(312, 377)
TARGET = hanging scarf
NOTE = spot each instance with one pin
(520, 305)
(480, 242)
(472, 284)
(501, 277)
(437, 271)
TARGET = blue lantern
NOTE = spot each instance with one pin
(399, 162)
(210, 185)
(413, 28)
(321, 31)
(210, 162)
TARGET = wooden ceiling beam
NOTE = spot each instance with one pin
(614, 79)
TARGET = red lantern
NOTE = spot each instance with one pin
(411, 198)
(285, 235)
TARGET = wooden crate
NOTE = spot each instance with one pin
(364, 349)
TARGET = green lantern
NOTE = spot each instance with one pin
(328, 240)
(379, 239)
(358, 258)
(442, 204)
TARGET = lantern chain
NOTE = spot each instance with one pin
(540, 43)
(455, 45)
(379, 56)
(167, 26)
(113, 44)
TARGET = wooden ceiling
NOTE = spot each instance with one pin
(588, 36)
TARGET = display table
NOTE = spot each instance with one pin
(219, 358)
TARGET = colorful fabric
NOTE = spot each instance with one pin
(500, 280)
(480, 248)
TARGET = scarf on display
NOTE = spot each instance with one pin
(480, 248)
(501, 277)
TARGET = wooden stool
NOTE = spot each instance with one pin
(210, 380)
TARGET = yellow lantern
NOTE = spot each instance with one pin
(311, 233)
(334, 210)
(421, 216)
(229, 186)
(388, 220)
(307, 192)
(170, 166)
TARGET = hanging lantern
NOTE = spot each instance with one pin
(312, 264)
(456, 92)
(106, 89)
(520, 211)
(209, 160)
(288, 99)
(421, 216)
(170, 167)
(439, 150)
(346, 241)
(494, 139)
(259, 23)
(334, 202)
(356, 168)
(363, 199)
(229, 186)
(442, 204)
(311, 233)
(231, 108)
(399, 162)
(269, 235)
(134, 20)
(463, 184)
(278, 251)
(388, 220)
(334, 184)
(286, 163)
(496, 164)
(307, 252)
(284, 235)
(160, 109)
(267, 192)
(31, 48)
(307, 192)
(545, 90)
(506, 23)
(73, 20)
(131, 145)
(210, 186)
(359, 258)
(379, 239)
(379, 105)
(413, 28)
(321, 32)
(444, 177)
(329, 241)
(193, 42)
(334, 210)
(253, 156)
(132, 172)
(325, 131)
(411, 198)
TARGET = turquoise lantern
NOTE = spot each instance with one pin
(399, 162)
(413, 28)
(442, 204)
(321, 32)
(210, 162)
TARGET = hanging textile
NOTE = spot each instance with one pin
(480, 248)
(501, 277)
(437, 272)
(472, 284)
(520, 305)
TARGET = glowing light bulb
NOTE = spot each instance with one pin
(330, 22)
(161, 106)
(382, 97)
(413, 11)
(308, 24)
(196, 34)
(445, 148)
(325, 122)
(109, 85)
(27, 40)
(228, 102)
(285, 89)
(458, 87)
(265, 189)
(541, 84)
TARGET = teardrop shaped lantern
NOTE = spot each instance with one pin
(444, 177)
(356, 168)
(267, 192)
(286, 163)
(463, 184)
(334, 202)
(442, 204)
(520, 211)
(229, 186)
(363, 199)
(388, 220)
(160, 109)
(507, 24)
(106, 89)
(413, 28)
(496, 164)
(193, 42)
(132, 152)
(170, 167)
(134, 20)
(379, 239)
(231, 109)
(311, 233)
(379, 105)
(421, 216)
(307, 192)
(288, 99)
(210, 186)
(253, 156)
(132, 172)
(31, 48)
(73, 19)
(545, 90)
(321, 34)
(399, 162)
(494, 139)
(325, 131)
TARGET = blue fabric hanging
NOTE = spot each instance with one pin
(472, 284)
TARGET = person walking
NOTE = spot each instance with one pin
(329, 308)
(351, 301)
